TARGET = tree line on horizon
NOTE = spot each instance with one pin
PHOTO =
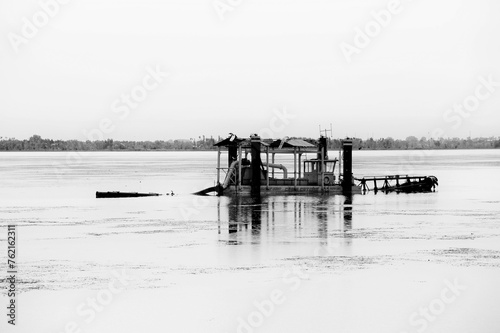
(37, 143)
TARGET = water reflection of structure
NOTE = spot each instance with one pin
(348, 212)
(244, 212)
(285, 217)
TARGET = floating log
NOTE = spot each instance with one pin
(117, 194)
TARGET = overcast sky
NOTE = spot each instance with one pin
(91, 69)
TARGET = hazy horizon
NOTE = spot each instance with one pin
(247, 136)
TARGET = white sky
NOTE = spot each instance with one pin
(232, 75)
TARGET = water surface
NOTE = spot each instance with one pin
(358, 264)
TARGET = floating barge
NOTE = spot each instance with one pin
(321, 174)
(267, 175)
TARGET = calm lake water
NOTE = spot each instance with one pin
(427, 262)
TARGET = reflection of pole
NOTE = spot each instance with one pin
(256, 211)
(272, 214)
(267, 214)
(233, 215)
(218, 215)
(348, 212)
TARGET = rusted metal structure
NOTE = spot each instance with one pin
(398, 183)
(266, 174)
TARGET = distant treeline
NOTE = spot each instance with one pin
(37, 143)
(412, 142)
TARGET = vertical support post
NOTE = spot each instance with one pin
(232, 151)
(267, 169)
(347, 180)
(218, 165)
(300, 165)
(324, 147)
(322, 180)
(239, 168)
(322, 155)
(272, 161)
(340, 163)
(295, 168)
(256, 162)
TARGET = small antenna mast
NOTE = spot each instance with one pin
(326, 131)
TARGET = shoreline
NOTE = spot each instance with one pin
(215, 150)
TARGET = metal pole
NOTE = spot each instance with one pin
(272, 161)
(267, 168)
(347, 180)
(256, 162)
(239, 168)
(340, 162)
(300, 169)
(295, 167)
(218, 165)
(322, 170)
